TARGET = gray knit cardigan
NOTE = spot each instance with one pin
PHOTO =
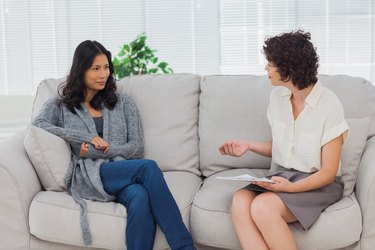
(121, 129)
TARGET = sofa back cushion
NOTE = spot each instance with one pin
(356, 94)
(168, 106)
(46, 90)
(232, 107)
(352, 151)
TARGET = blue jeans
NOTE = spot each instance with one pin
(140, 186)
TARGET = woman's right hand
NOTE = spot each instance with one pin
(234, 148)
(84, 150)
(100, 144)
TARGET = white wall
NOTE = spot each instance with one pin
(15, 114)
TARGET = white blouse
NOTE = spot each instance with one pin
(296, 144)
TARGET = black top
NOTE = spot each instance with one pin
(99, 125)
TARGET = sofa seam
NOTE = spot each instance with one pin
(338, 209)
(90, 212)
(342, 208)
(19, 200)
(195, 205)
(73, 209)
(214, 245)
(54, 240)
(195, 193)
(364, 224)
(336, 246)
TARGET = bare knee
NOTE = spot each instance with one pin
(241, 203)
(263, 209)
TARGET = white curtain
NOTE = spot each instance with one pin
(38, 37)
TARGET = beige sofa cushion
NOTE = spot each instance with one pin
(54, 216)
(50, 156)
(358, 105)
(168, 106)
(232, 107)
(352, 152)
(211, 222)
(46, 90)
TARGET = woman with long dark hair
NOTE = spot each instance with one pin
(104, 131)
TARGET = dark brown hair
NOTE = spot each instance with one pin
(73, 90)
(294, 56)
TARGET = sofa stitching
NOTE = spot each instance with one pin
(75, 209)
(190, 204)
(365, 209)
(325, 212)
(5, 168)
(54, 240)
(89, 212)
(210, 210)
(339, 246)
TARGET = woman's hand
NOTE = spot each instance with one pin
(234, 148)
(280, 184)
(84, 150)
(100, 144)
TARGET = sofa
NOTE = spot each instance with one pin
(185, 117)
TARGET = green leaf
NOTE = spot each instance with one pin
(121, 53)
(142, 39)
(126, 47)
(153, 70)
(137, 57)
(163, 65)
(154, 60)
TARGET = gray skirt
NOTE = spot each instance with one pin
(305, 206)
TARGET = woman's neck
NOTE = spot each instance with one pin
(300, 96)
(87, 103)
(89, 95)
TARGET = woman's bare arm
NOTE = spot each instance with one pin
(238, 148)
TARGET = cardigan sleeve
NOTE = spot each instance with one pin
(51, 119)
(134, 147)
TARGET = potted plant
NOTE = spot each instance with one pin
(137, 58)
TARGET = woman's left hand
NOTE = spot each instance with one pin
(281, 184)
(100, 144)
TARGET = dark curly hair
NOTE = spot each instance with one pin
(73, 91)
(294, 56)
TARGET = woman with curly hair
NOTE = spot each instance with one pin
(308, 131)
(104, 131)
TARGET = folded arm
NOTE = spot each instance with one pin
(134, 147)
(50, 119)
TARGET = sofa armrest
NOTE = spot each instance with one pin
(19, 185)
(365, 192)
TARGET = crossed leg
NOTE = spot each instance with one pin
(261, 221)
